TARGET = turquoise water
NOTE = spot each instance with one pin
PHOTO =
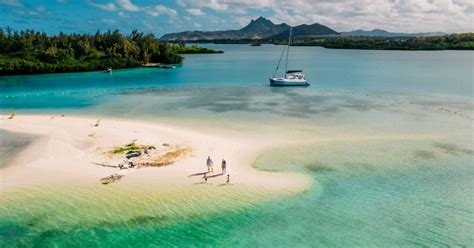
(425, 72)
(370, 201)
(396, 191)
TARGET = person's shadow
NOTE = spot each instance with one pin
(106, 165)
(216, 175)
(198, 174)
(225, 184)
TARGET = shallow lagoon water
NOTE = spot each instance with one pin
(408, 182)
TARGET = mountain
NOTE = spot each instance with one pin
(257, 29)
(262, 28)
(384, 33)
(304, 31)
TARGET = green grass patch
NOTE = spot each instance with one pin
(128, 147)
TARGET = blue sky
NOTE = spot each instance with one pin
(165, 16)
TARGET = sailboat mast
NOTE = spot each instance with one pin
(288, 49)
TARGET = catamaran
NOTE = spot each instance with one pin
(292, 77)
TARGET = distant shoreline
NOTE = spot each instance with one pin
(81, 71)
(463, 41)
(263, 30)
(146, 65)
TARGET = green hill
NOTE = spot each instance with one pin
(305, 31)
(256, 29)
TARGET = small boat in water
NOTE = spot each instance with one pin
(166, 66)
(291, 77)
(158, 65)
(109, 70)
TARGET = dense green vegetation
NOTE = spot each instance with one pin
(222, 41)
(183, 49)
(28, 51)
(446, 42)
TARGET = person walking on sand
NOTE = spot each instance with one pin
(228, 179)
(205, 177)
(223, 166)
(209, 164)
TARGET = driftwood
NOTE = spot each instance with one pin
(111, 179)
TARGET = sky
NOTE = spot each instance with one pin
(167, 16)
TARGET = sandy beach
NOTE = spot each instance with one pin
(68, 152)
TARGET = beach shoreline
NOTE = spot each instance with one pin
(70, 148)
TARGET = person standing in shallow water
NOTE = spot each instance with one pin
(209, 164)
(223, 166)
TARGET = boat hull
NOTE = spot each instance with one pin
(276, 82)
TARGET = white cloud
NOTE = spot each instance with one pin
(227, 5)
(155, 10)
(147, 25)
(36, 12)
(196, 12)
(122, 14)
(109, 21)
(14, 3)
(128, 5)
(105, 6)
(395, 15)
(197, 25)
(160, 9)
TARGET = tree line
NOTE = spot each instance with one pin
(447, 42)
(29, 51)
(463, 41)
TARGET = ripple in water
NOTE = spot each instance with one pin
(360, 198)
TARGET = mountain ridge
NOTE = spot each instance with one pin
(257, 29)
(384, 33)
(262, 28)
(304, 31)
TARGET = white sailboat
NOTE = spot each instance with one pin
(291, 77)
